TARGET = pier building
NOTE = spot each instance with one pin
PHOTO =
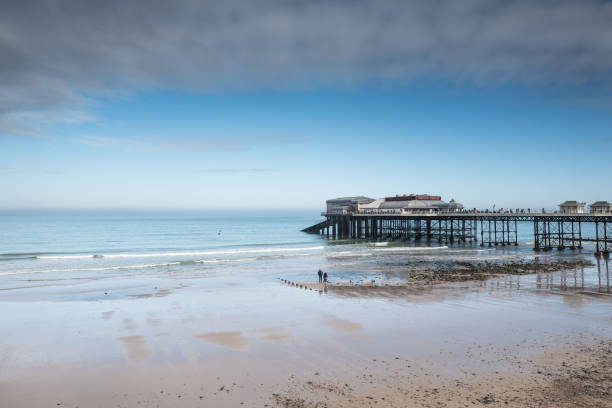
(571, 207)
(600, 207)
(411, 204)
(343, 205)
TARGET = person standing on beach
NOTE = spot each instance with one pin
(325, 277)
(320, 273)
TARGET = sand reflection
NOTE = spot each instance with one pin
(233, 340)
(136, 348)
(342, 325)
(276, 334)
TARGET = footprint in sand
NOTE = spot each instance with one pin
(108, 315)
(233, 340)
(128, 324)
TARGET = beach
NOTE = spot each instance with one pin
(305, 204)
(236, 333)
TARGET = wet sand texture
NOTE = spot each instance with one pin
(561, 378)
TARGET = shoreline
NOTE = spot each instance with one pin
(459, 271)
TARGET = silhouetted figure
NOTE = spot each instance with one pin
(325, 277)
(320, 273)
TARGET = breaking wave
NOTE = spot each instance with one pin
(179, 254)
(406, 249)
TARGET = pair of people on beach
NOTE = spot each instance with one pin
(322, 276)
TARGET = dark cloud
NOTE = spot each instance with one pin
(57, 55)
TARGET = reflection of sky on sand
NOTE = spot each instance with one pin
(235, 311)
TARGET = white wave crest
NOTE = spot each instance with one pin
(406, 249)
(108, 268)
(178, 254)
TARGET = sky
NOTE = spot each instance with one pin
(284, 104)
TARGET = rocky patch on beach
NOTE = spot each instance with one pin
(431, 274)
(466, 271)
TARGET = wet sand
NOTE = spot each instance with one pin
(242, 339)
(577, 376)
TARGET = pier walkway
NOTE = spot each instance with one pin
(550, 230)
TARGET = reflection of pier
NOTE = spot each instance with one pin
(550, 231)
(575, 279)
(603, 276)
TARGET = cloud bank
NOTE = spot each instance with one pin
(58, 56)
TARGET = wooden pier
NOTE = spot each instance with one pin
(558, 231)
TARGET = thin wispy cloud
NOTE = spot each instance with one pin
(56, 56)
(53, 172)
(233, 171)
(117, 143)
(182, 144)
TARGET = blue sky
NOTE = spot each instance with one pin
(151, 140)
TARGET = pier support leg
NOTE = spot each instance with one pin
(481, 233)
(536, 235)
(495, 227)
(597, 253)
(334, 228)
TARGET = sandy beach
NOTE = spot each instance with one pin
(305, 204)
(529, 339)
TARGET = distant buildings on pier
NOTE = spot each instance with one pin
(343, 205)
(392, 205)
(575, 207)
(428, 204)
(600, 207)
(571, 207)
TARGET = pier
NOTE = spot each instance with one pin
(550, 230)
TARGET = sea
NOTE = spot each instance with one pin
(60, 246)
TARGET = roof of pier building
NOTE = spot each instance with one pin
(571, 203)
(355, 199)
(601, 204)
(414, 197)
(410, 203)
